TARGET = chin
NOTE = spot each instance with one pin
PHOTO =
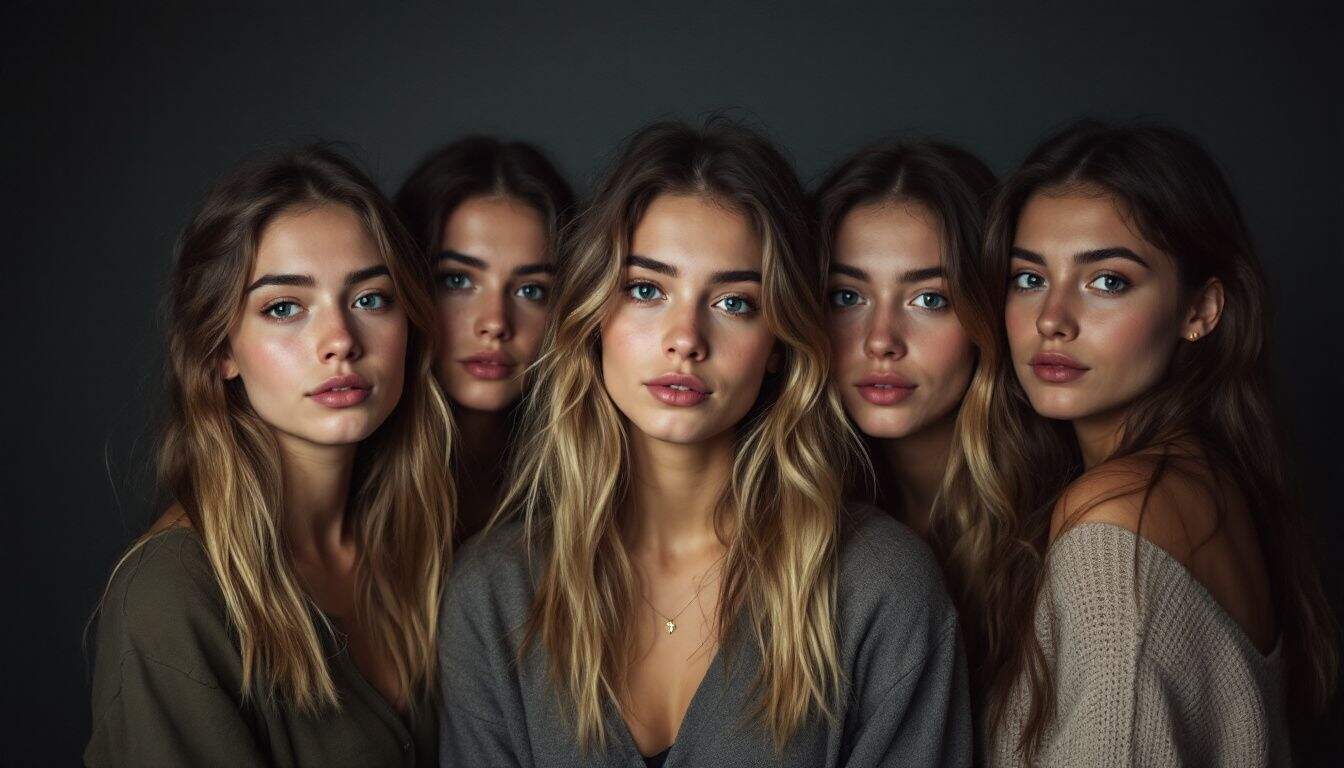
(485, 397)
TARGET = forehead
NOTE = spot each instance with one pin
(486, 225)
(696, 233)
(1064, 222)
(315, 240)
(897, 235)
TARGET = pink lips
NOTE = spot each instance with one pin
(1056, 367)
(679, 389)
(489, 366)
(885, 388)
(341, 391)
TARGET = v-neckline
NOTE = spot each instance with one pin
(699, 701)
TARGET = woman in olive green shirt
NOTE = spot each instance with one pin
(283, 611)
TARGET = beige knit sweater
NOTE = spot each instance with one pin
(1154, 676)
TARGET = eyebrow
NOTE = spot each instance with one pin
(470, 261)
(911, 276)
(663, 268)
(307, 281)
(1085, 257)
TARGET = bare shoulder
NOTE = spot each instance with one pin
(1174, 502)
(1181, 504)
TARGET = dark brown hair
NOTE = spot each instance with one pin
(481, 165)
(1216, 394)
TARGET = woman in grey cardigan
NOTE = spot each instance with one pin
(1164, 609)
(671, 579)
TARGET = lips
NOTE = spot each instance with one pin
(341, 391)
(679, 389)
(1056, 367)
(885, 388)
(489, 366)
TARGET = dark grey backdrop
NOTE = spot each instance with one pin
(116, 119)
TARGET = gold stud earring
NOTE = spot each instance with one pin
(1193, 335)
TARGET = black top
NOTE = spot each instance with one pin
(656, 761)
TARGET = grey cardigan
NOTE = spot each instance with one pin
(905, 702)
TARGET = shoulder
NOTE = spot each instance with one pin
(163, 602)
(1170, 501)
(494, 571)
(883, 564)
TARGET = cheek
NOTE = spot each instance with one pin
(529, 326)
(846, 333)
(743, 354)
(1019, 320)
(1137, 338)
(270, 364)
(945, 353)
(623, 335)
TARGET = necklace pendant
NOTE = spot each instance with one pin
(671, 626)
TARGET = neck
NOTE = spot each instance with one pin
(1099, 436)
(918, 462)
(674, 492)
(316, 482)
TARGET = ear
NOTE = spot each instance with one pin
(1205, 310)
(227, 367)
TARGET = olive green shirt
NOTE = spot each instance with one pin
(167, 683)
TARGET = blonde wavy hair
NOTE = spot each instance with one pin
(783, 505)
(221, 462)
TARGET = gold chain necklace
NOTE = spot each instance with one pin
(670, 622)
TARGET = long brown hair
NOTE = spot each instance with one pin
(1014, 464)
(221, 462)
(783, 503)
(956, 187)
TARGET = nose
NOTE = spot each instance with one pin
(1057, 319)
(884, 338)
(492, 322)
(684, 340)
(338, 340)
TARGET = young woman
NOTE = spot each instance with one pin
(487, 214)
(282, 612)
(1142, 584)
(674, 581)
(901, 226)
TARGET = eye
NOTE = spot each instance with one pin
(735, 305)
(844, 297)
(1027, 281)
(645, 292)
(1109, 283)
(455, 281)
(282, 310)
(373, 301)
(531, 292)
(930, 300)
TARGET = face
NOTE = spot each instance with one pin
(901, 358)
(685, 347)
(1094, 312)
(321, 345)
(494, 281)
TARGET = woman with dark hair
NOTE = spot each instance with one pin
(1134, 564)
(672, 578)
(901, 225)
(282, 611)
(487, 214)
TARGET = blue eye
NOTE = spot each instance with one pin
(931, 300)
(1109, 283)
(531, 292)
(845, 298)
(455, 281)
(372, 301)
(735, 305)
(645, 292)
(282, 310)
(1027, 281)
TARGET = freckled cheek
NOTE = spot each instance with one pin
(846, 333)
(944, 353)
(1019, 319)
(742, 354)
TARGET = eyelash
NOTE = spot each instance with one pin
(1015, 282)
(630, 291)
(268, 308)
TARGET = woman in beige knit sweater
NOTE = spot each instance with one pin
(1122, 535)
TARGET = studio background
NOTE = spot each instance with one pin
(117, 118)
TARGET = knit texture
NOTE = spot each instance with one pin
(1148, 668)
